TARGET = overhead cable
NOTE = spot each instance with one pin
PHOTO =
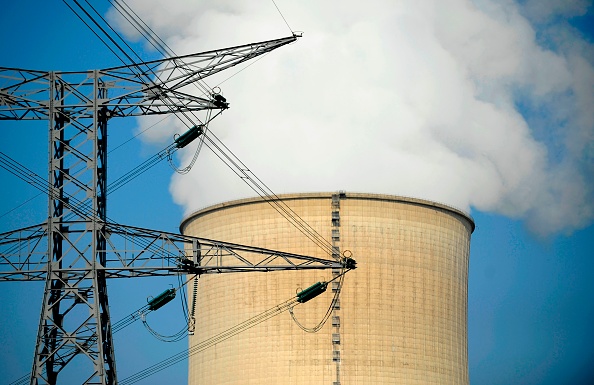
(76, 206)
(196, 348)
(301, 297)
(260, 188)
(281, 14)
(137, 314)
(215, 144)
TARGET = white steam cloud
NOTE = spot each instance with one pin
(485, 104)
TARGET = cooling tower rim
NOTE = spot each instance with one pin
(328, 195)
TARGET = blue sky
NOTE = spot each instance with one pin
(531, 287)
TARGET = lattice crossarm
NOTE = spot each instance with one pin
(23, 254)
(23, 94)
(143, 250)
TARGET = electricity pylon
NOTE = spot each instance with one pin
(78, 248)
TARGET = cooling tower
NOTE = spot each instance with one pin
(401, 317)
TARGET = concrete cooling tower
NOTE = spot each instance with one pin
(401, 317)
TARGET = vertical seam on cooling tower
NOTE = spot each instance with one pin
(336, 339)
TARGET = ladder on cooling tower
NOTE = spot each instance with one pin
(336, 197)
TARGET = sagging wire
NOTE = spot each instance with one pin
(163, 299)
(188, 168)
(139, 314)
(189, 321)
(166, 153)
(302, 297)
(183, 355)
(164, 338)
(346, 266)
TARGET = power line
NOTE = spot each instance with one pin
(151, 36)
(280, 13)
(129, 15)
(230, 159)
(76, 206)
(127, 53)
(260, 188)
(302, 297)
(337, 291)
(21, 205)
(183, 355)
(137, 314)
(58, 358)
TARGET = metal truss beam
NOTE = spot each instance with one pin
(149, 88)
(138, 252)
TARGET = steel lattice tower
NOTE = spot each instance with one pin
(79, 248)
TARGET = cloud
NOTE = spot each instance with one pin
(545, 10)
(453, 101)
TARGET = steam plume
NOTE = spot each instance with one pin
(485, 105)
